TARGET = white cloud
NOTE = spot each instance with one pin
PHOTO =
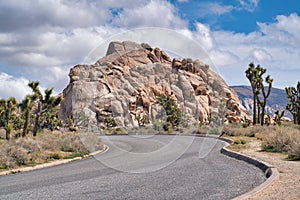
(203, 36)
(13, 87)
(156, 13)
(275, 46)
(249, 5)
(215, 8)
(32, 13)
(218, 9)
(46, 38)
(261, 55)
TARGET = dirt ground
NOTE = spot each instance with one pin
(288, 184)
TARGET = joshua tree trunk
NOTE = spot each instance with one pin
(265, 96)
(25, 127)
(263, 112)
(254, 109)
(36, 120)
(36, 124)
(258, 109)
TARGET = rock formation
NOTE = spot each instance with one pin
(124, 85)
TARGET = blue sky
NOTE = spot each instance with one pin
(232, 15)
(42, 40)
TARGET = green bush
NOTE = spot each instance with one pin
(55, 156)
(237, 142)
(243, 141)
(173, 113)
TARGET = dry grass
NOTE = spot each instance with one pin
(285, 139)
(282, 139)
(42, 148)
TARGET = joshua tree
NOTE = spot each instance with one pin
(26, 107)
(278, 116)
(293, 94)
(266, 95)
(254, 74)
(44, 103)
(7, 107)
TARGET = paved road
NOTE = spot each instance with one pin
(158, 167)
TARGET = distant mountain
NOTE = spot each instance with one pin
(276, 101)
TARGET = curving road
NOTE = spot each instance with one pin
(140, 167)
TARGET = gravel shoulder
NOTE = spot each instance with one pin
(288, 184)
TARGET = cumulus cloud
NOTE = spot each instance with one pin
(46, 38)
(13, 87)
(274, 46)
(33, 14)
(274, 40)
(261, 55)
(157, 13)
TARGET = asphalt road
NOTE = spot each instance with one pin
(157, 167)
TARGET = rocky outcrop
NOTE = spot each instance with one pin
(124, 85)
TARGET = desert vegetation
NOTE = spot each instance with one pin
(173, 113)
(256, 79)
(36, 114)
(280, 139)
(277, 136)
(293, 94)
(46, 146)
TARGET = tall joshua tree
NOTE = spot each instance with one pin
(254, 75)
(8, 106)
(293, 94)
(44, 103)
(266, 95)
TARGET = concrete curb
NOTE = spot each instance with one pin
(270, 171)
(50, 164)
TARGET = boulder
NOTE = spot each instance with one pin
(126, 82)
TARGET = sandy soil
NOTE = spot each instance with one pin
(288, 184)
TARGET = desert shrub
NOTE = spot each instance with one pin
(214, 130)
(16, 156)
(173, 113)
(54, 156)
(241, 130)
(243, 141)
(239, 141)
(167, 126)
(281, 139)
(236, 142)
(202, 130)
(294, 150)
(45, 146)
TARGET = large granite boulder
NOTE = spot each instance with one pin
(124, 85)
